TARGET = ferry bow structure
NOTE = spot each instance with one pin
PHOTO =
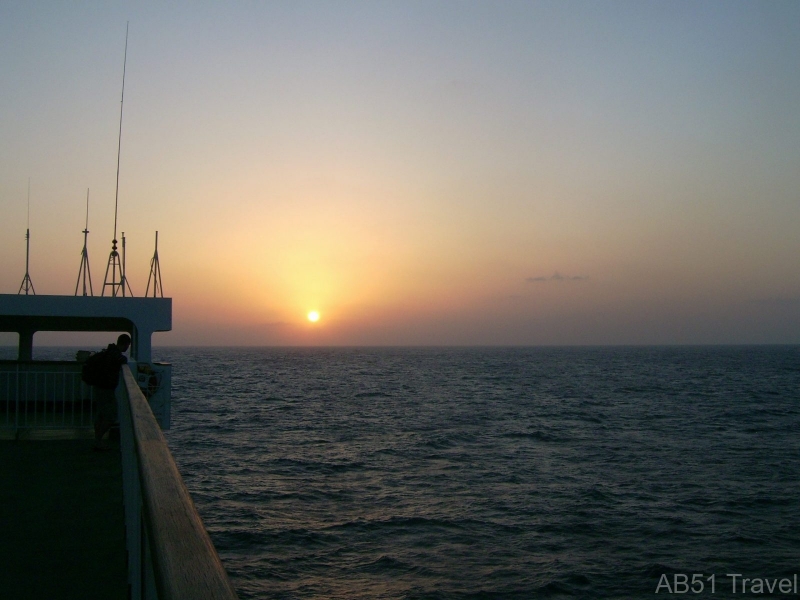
(46, 415)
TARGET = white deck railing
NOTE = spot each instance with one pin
(44, 395)
(170, 555)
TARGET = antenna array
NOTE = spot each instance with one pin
(116, 265)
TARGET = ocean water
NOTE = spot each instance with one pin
(502, 473)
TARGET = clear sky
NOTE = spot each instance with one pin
(450, 172)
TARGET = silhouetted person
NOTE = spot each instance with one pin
(105, 398)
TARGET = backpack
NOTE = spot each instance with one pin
(96, 369)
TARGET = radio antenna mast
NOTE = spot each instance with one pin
(27, 284)
(83, 272)
(155, 275)
(114, 265)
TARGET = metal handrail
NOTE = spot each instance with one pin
(44, 396)
(170, 554)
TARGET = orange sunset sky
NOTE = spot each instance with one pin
(451, 172)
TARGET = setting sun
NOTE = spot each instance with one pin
(313, 316)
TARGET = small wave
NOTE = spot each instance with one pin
(540, 436)
(449, 440)
(387, 564)
(554, 589)
(288, 466)
(341, 467)
(251, 539)
(747, 540)
(656, 570)
(419, 523)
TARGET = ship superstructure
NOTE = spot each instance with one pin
(46, 422)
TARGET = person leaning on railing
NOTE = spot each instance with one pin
(105, 398)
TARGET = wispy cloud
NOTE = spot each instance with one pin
(557, 277)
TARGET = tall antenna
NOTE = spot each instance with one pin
(27, 284)
(83, 272)
(114, 265)
(155, 275)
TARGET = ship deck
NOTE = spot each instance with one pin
(62, 525)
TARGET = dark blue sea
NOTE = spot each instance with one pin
(494, 473)
(456, 473)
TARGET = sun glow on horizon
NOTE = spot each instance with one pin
(313, 316)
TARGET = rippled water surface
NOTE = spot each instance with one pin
(491, 473)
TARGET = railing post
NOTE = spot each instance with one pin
(16, 403)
